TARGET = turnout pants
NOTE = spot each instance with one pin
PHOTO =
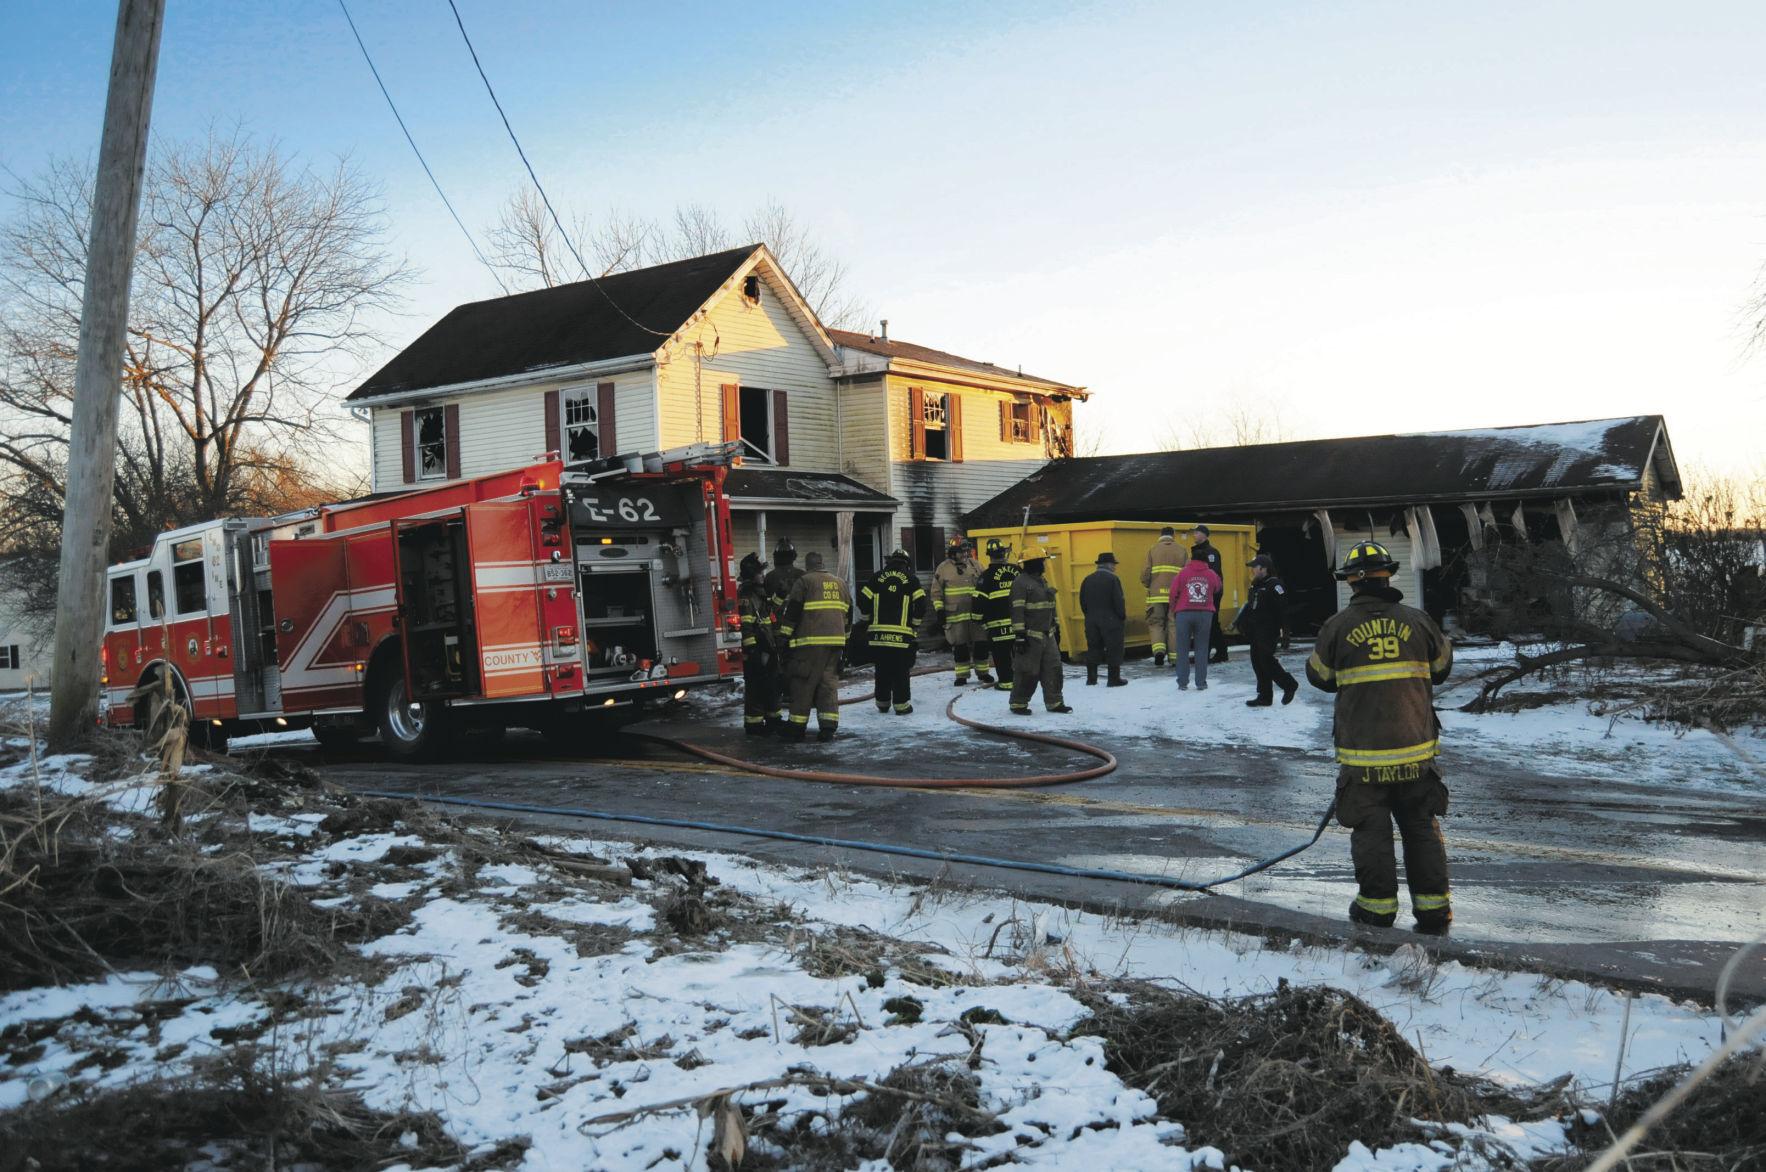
(1368, 810)
(1037, 662)
(895, 666)
(1002, 661)
(1158, 625)
(968, 647)
(1269, 670)
(760, 689)
(814, 677)
(1103, 644)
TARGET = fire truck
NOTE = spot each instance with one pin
(550, 597)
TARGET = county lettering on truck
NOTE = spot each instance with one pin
(541, 598)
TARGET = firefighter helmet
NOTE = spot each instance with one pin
(997, 548)
(956, 545)
(901, 555)
(752, 566)
(784, 551)
(1368, 559)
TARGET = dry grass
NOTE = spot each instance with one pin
(1721, 1126)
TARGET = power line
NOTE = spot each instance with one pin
(544, 198)
(366, 56)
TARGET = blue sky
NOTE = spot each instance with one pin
(1360, 217)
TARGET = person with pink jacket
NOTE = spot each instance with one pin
(1193, 592)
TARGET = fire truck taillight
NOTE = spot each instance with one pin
(732, 620)
(563, 638)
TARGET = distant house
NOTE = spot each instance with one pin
(850, 445)
(26, 646)
(1430, 497)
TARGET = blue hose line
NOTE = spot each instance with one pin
(881, 848)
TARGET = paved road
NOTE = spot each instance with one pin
(1652, 885)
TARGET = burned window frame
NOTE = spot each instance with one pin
(584, 404)
(768, 454)
(935, 420)
(423, 449)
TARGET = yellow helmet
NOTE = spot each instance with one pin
(1368, 559)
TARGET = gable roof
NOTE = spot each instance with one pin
(566, 325)
(1556, 459)
(908, 351)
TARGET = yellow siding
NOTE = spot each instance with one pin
(756, 346)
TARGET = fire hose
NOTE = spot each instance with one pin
(1107, 763)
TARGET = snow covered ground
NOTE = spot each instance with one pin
(521, 999)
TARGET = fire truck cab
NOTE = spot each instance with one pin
(549, 597)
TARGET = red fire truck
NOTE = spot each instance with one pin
(531, 598)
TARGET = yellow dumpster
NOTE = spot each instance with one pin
(1073, 552)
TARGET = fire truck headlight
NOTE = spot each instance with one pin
(282, 722)
(680, 694)
(607, 703)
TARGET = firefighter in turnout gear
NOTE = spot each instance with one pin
(957, 609)
(778, 583)
(817, 616)
(995, 589)
(1164, 559)
(1036, 637)
(760, 651)
(892, 603)
(1383, 660)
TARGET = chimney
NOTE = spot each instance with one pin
(885, 324)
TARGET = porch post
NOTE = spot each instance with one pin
(843, 547)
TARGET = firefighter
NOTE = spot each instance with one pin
(1204, 550)
(995, 589)
(892, 603)
(760, 653)
(1383, 660)
(957, 609)
(1106, 615)
(818, 614)
(1036, 638)
(1165, 557)
(778, 583)
(1261, 622)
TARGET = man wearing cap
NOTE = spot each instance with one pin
(1165, 557)
(1203, 550)
(1036, 638)
(1383, 660)
(760, 658)
(817, 617)
(995, 591)
(1260, 621)
(1106, 613)
(892, 602)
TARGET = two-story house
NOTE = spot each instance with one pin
(850, 444)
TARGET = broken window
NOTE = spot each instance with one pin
(122, 601)
(756, 406)
(582, 425)
(431, 425)
(936, 414)
(1023, 422)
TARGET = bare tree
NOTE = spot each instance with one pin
(1236, 425)
(819, 275)
(252, 288)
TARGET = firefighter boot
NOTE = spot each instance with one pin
(757, 728)
(794, 731)
(825, 733)
(1091, 675)
(1158, 659)
(1363, 910)
(982, 675)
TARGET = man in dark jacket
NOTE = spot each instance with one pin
(1105, 610)
(1383, 660)
(891, 603)
(1205, 552)
(760, 651)
(995, 592)
(1260, 621)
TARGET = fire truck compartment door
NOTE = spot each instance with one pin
(311, 603)
(507, 580)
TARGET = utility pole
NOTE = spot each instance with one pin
(104, 317)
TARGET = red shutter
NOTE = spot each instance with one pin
(604, 419)
(1005, 421)
(451, 421)
(732, 412)
(781, 430)
(953, 427)
(916, 424)
(408, 443)
(554, 425)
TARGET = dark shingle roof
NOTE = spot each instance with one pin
(1603, 455)
(807, 488)
(890, 348)
(561, 326)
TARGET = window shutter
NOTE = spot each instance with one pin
(1005, 421)
(732, 412)
(953, 427)
(408, 444)
(781, 430)
(604, 419)
(451, 421)
(554, 426)
(1036, 422)
(907, 543)
(916, 424)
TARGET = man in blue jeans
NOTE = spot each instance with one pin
(1193, 597)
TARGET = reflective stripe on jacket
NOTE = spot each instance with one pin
(758, 621)
(818, 612)
(1033, 607)
(1164, 559)
(954, 591)
(893, 602)
(778, 583)
(1382, 659)
(995, 592)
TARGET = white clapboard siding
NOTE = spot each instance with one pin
(864, 440)
(756, 346)
(935, 492)
(388, 457)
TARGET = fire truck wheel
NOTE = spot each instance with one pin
(414, 730)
